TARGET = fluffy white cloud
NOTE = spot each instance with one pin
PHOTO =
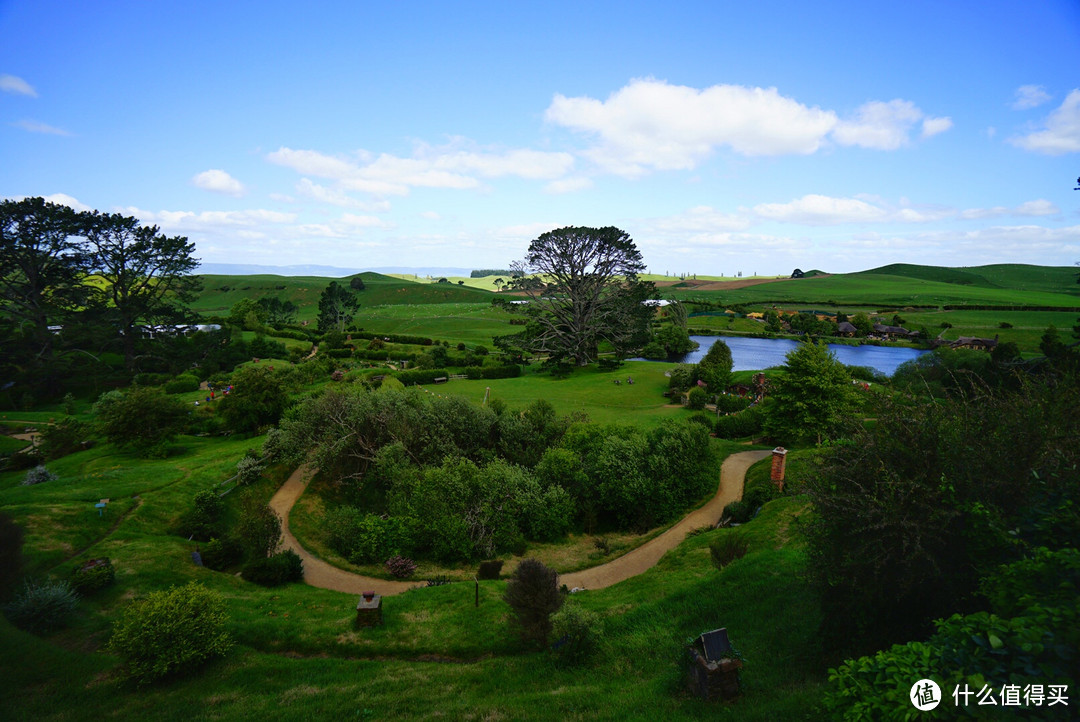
(933, 126)
(886, 126)
(187, 221)
(1062, 130)
(699, 219)
(218, 181)
(33, 126)
(819, 210)
(650, 124)
(337, 197)
(16, 85)
(430, 167)
(64, 199)
(1029, 96)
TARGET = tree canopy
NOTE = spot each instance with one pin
(585, 290)
(813, 398)
(337, 306)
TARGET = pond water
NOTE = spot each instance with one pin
(748, 354)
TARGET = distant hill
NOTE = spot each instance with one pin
(1014, 276)
(221, 292)
(246, 269)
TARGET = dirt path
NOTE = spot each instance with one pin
(732, 474)
(318, 573)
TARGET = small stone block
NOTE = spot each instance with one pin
(369, 612)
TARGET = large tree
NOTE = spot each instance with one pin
(337, 306)
(589, 292)
(145, 275)
(813, 400)
(41, 268)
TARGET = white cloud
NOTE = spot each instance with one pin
(1062, 130)
(185, 221)
(568, 185)
(33, 126)
(650, 124)
(354, 221)
(1038, 207)
(65, 200)
(882, 126)
(933, 126)
(430, 167)
(1029, 96)
(218, 181)
(16, 85)
(819, 210)
(699, 219)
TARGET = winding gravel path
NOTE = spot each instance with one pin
(318, 573)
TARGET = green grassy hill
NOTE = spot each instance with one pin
(1015, 276)
(220, 293)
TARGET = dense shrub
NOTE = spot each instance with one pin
(249, 469)
(576, 632)
(421, 376)
(11, 540)
(63, 438)
(258, 399)
(38, 475)
(490, 569)
(171, 631)
(94, 575)
(143, 419)
(731, 403)
(275, 570)
(695, 400)
(726, 548)
(745, 423)
(400, 567)
(182, 384)
(42, 607)
(364, 538)
(259, 528)
(221, 554)
(533, 595)
(204, 519)
(739, 512)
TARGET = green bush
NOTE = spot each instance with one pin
(727, 548)
(171, 631)
(42, 607)
(695, 400)
(182, 384)
(281, 568)
(745, 423)
(533, 595)
(221, 554)
(490, 569)
(731, 403)
(739, 511)
(577, 634)
(66, 437)
(11, 541)
(92, 576)
(203, 520)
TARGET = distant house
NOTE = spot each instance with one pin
(973, 342)
(844, 328)
(893, 331)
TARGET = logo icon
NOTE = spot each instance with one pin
(925, 695)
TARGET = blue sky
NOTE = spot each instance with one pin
(722, 136)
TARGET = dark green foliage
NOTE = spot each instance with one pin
(682, 377)
(654, 350)
(673, 339)
(182, 384)
(11, 541)
(727, 548)
(92, 576)
(910, 513)
(337, 306)
(249, 469)
(740, 511)
(221, 554)
(533, 595)
(400, 567)
(275, 570)
(204, 519)
(258, 399)
(576, 632)
(1051, 343)
(490, 569)
(42, 607)
(731, 403)
(715, 368)
(813, 400)
(171, 631)
(143, 419)
(63, 438)
(421, 376)
(259, 528)
(695, 400)
(262, 347)
(364, 538)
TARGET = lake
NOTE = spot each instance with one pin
(749, 354)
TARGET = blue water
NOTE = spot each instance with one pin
(749, 354)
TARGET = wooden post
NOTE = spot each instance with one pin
(477, 591)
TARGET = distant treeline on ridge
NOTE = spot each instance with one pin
(484, 272)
